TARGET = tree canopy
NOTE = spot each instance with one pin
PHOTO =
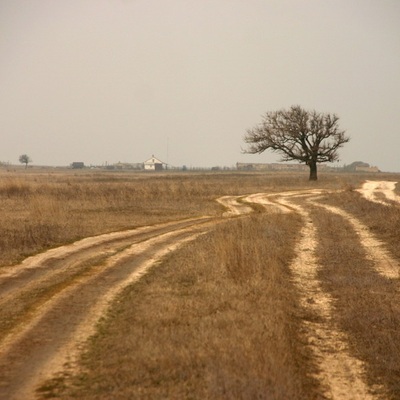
(25, 159)
(309, 137)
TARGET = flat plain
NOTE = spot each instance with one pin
(199, 285)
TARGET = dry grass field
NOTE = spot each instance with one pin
(295, 298)
(42, 209)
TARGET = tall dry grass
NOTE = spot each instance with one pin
(216, 320)
(40, 209)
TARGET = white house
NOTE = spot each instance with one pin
(153, 164)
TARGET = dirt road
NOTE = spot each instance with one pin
(341, 374)
(50, 303)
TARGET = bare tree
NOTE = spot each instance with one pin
(25, 159)
(309, 137)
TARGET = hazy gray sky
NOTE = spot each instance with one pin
(120, 80)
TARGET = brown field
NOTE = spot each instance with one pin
(295, 296)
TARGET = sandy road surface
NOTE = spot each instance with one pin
(380, 192)
(234, 206)
(50, 303)
(341, 374)
(384, 263)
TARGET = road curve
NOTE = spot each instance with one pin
(50, 303)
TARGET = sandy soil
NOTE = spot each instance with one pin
(50, 303)
(233, 206)
(384, 263)
(381, 192)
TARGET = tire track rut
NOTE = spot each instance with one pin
(381, 192)
(49, 332)
(384, 263)
(341, 374)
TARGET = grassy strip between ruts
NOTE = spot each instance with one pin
(217, 319)
(383, 221)
(22, 308)
(366, 304)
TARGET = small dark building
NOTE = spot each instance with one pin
(77, 165)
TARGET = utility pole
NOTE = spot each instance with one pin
(167, 151)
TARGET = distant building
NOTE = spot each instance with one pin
(135, 166)
(271, 167)
(360, 166)
(153, 164)
(367, 169)
(77, 165)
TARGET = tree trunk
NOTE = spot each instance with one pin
(313, 170)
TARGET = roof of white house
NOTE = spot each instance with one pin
(153, 160)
